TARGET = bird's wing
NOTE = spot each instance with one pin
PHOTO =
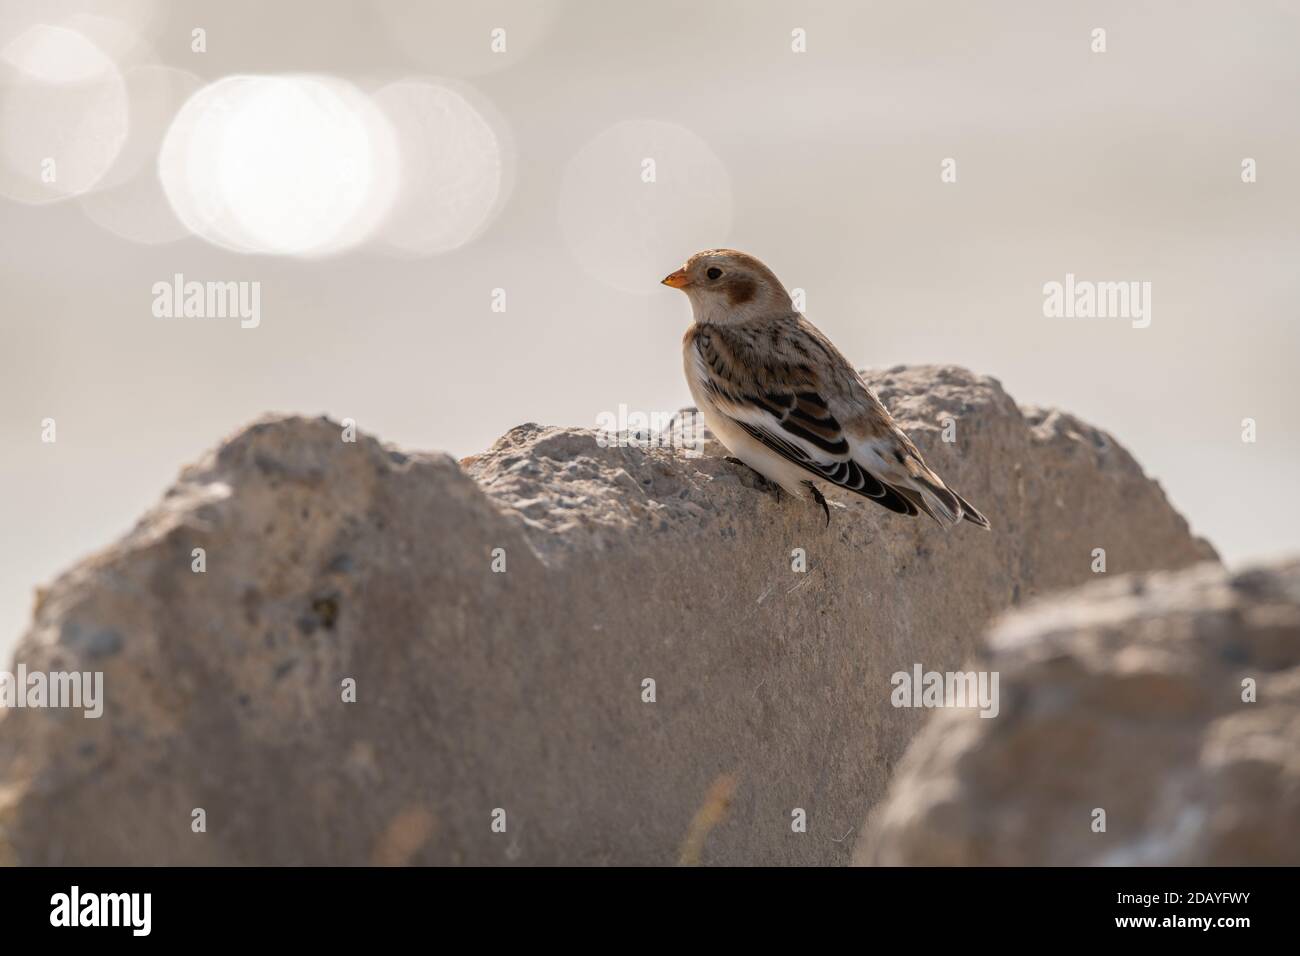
(783, 405)
(882, 447)
(803, 401)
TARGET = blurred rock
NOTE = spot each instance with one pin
(1124, 696)
(520, 698)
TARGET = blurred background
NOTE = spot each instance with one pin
(449, 212)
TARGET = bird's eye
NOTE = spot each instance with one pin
(714, 273)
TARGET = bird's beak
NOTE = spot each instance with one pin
(677, 280)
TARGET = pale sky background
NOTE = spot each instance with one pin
(1124, 165)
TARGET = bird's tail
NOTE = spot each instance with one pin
(972, 514)
(941, 503)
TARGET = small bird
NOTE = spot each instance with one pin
(785, 402)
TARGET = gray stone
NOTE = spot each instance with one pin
(522, 691)
(1124, 696)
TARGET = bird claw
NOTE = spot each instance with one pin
(821, 500)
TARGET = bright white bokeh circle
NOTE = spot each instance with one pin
(279, 165)
(628, 232)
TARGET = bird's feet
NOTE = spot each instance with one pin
(821, 500)
(759, 478)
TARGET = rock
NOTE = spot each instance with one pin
(1124, 696)
(520, 698)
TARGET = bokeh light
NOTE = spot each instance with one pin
(129, 201)
(64, 114)
(453, 168)
(285, 165)
(629, 232)
(141, 17)
(312, 165)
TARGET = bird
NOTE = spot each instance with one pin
(786, 403)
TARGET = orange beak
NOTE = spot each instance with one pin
(677, 280)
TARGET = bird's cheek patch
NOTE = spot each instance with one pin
(740, 291)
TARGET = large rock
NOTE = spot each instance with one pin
(522, 691)
(1169, 701)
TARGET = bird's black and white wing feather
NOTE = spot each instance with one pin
(791, 391)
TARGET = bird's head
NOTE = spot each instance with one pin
(727, 287)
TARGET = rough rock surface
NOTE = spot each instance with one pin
(1124, 696)
(522, 691)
